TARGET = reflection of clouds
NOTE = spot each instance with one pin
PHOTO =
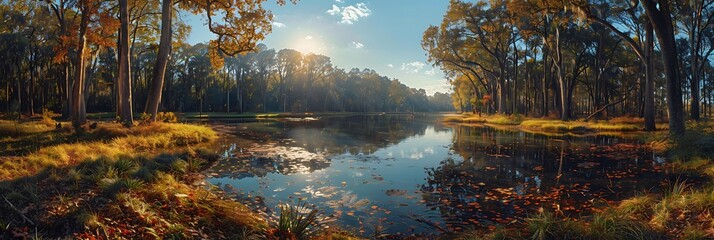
(417, 155)
(259, 160)
(358, 174)
(346, 199)
(325, 192)
(429, 150)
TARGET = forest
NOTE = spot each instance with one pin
(41, 67)
(579, 59)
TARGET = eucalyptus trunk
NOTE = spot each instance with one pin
(78, 108)
(126, 113)
(661, 20)
(162, 59)
(649, 79)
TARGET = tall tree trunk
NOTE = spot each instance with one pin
(126, 114)
(562, 82)
(31, 86)
(78, 104)
(546, 70)
(515, 78)
(694, 83)
(501, 92)
(661, 20)
(18, 85)
(162, 59)
(117, 83)
(227, 76)
(649, 79)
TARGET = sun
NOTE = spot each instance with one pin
(310, 44)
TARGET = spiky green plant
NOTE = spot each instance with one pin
(195, 164)
(542, 225)
(125, 166)
(297, 220)
(132, 183)
(677, 187)
(545, 225)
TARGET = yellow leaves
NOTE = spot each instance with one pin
(215, 57)
(109, 24)
(241, 25)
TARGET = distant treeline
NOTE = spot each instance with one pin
(262, 81)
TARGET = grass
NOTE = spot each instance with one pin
(129, 197)
(546, 225)
(16, 129)
(607, 224)
(111, 141)
(491, 119)
(621, 124)
(638, 206)
(112, 182)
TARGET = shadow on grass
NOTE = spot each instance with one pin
(124, 197)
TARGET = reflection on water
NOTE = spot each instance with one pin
(412, 175)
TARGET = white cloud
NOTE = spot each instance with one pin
(308, 37)
(334, 11)
(430, 72)
(350, 14)
(412, 67)
(390, 65)
(340, 1)
(278, 24)
(357, 45)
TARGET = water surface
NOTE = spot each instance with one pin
(415, 175)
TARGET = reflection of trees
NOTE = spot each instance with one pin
(352, 134)
(359, 134)
(506, 175)
(304, 146)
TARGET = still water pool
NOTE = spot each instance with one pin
(415, 175)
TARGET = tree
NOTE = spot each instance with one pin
(659, 14)
(316, 69)
(242, 25)
(125, 104)
(643, 50)
(288, 62)
(696, 20)
(162, 59)
(78, 107)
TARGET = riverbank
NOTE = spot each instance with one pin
(272, 115)
(681, 210)
(619, 124)
(110, 182)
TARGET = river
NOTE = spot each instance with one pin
(414, 175)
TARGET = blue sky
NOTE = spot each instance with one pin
(384, 35)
